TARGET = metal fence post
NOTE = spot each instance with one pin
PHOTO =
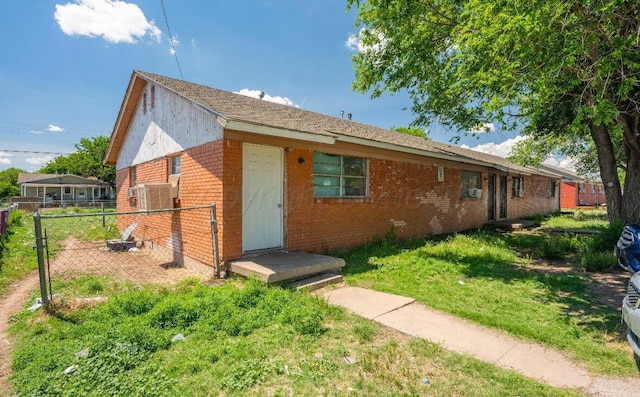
(104, 222)
(214, 227)
(37, 223)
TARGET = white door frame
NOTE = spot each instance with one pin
(262, 197)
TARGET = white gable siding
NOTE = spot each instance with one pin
(171, 125)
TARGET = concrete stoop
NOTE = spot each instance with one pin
(511, 225)
(279, 267)
(316, 282)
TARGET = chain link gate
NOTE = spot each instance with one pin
(161, 246)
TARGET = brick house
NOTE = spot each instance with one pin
(287, 178)
(577, 191)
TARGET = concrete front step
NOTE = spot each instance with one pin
(276, 267)
(511, 225)
(316, 282)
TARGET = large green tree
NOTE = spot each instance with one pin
(86, 161)
(9, 182)
(563, 72)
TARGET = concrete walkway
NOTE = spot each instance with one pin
(452, 333)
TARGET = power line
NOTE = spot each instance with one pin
(31, 151)
(173, 48)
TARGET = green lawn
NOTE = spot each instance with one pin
(246, 338)
(240, 338)
(580, 219)
(17, 256)
(480, 277)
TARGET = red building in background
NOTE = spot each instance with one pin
(577, 191)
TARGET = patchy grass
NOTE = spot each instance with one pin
(579, 219)
(17, 256)
(240, 338)
(481, 277)
(82, 224)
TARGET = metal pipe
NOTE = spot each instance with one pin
(214, 226)
(37, 223)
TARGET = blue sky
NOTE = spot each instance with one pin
(66, 65)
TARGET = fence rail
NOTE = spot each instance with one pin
(163, 246)
(39, 204)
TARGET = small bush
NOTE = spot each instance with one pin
(558, 247)
(598, 261)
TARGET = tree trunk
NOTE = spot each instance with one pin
(609, 171)
(630, 196)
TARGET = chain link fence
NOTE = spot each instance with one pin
(165, 246)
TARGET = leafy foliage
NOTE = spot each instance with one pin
(562, 72)
(86, 161)
(9, 182)
(415, 131)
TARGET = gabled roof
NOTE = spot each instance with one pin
(57, 179)
(244, 113)
(568, 175)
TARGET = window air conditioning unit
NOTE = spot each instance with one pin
(475, 192)
(132, 192)
(155, 196)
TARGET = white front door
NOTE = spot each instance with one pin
(262, 197)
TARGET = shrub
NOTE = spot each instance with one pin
(598, 261)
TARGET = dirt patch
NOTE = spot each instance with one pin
(606, 288)
(10, 304)
(152, 264)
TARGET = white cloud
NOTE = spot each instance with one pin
(114, 20)
(484, 127)
(54, 128)
(5, 154)
(354, 42)
(5, 161)
(37, 132)
(562, 162)
(502, 149)
(173, 42)
(39, 160)
(266, 97)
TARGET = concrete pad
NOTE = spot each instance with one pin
(459, 335)
(450, 332)
(275, 267)
(545, 365)
(365, 303)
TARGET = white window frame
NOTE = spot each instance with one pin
(175, 167)
(467, 185)
(342, 176)
(517, 186)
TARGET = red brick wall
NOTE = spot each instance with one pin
(536, 198)
(592, 195)
(572, 198)
(403, 195)
(200, 185)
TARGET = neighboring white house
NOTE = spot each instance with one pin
(55, 188)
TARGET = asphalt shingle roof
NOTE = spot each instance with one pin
(237, 107)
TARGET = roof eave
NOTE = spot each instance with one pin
(268, 130)
(127, 110)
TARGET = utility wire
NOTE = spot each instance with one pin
(173, 48)
(30, 151)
